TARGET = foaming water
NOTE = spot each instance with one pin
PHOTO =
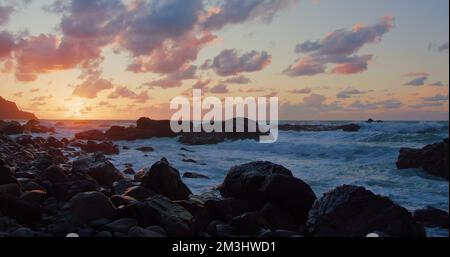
(322, 159)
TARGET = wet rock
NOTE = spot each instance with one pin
(434, 159)
(432, 217)
(159, 210)
(146, 149)
(97, 167)
(350, 211)
(89, 206)
(194, 175)
(121, 225)
(96, 135)
(107, 148)
(138, 192)
(249, 224)
(163, 179)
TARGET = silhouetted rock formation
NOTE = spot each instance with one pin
(9, 111)
(320, 128)
(432, 158)
(351, 211)
(432, 217)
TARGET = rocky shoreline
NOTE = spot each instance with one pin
(55, 188)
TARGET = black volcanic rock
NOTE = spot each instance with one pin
(34, 126)
(264, 182)
(245, 179)
(91, 135)
(107, 148)
(432, 217)
(163, 179)
(434, 159)
(11, 128)
(10, 111)
(320, 128)
(97, 167)
(351, 211)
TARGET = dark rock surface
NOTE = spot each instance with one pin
(434, 159)
(432, 217)
(163, 179)
(350, 211)
(97, 167)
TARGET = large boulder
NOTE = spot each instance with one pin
(264, 182)
(155, 128)
(244, 180)
(434, 159)
(90, 206)
(163, 179)
(159, 210)
(351, 211)
(97, 167)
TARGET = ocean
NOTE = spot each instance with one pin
(322, 159)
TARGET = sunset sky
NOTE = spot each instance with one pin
(324, 59)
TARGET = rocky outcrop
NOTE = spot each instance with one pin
(11, 128)
(97, 167)
(35, 126)
(350, 211)
(264, 182)
(107, 148)
(91, 135)
(434, 159)
(163, 179)
(10, 111)
(320, 128)
(432, 217)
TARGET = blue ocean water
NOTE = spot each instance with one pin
(322, 159)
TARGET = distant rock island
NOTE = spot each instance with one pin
(9, 110)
